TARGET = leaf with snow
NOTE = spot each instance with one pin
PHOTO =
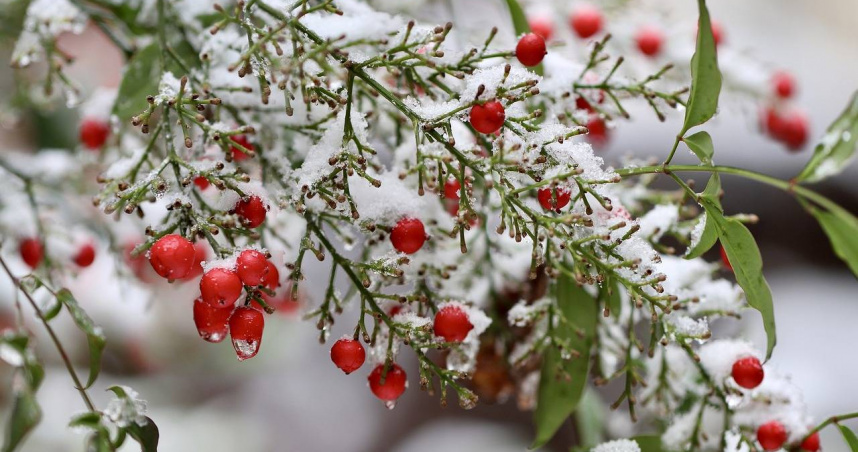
(94, 335)
(26, 413)
(837, 147)
(705, 75)
(558, 395)
(704, 234)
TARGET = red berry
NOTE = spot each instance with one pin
(94, 133)
(530, 49)
(773, 123)
(245, 327)
(725, 259)
(220, 287)
(717, 33)
(31, 252)
(237, 154)
(85, 255)
(784, 84)
(771, 435)
(137, 264)
(252, 266)
(597, 131)
(408, 235)
(200, 254)
(586, 21)
(172, 256)
(554, 199)
(389, 387)
(811, 443)
(212, 322)
(348, 355)
(795, 130)
(541, 26)
(452, 323)
(271, 278)
(252, 211)
(201, 182)
(748, 372)
(488, 117)
(649, 40)
(452, 188)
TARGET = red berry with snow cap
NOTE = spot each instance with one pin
(271, 278)
(212, 322)
(748, 372)
(488, 117)
(408, 235)
(389, 386)
(201, 182)
(452, 323)
(85, 255)
(94, 133)
(530, 49)
(348, 355)
(553, 199)
(452, 188)
(252, 211)
(251, 266)
(172, 256)
(586, 21)
(772, 435)
(31, 252)
(220, 287)
(245, 328)
(649, 40)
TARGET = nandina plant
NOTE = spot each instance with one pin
(453, 187)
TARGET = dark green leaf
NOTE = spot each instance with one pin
(25, 415)
(560, 392)
(837, 147)
(147, 436)
(89, 419)
(143, 75)
(849, 437)
(94, 336)
(520, 24)
(705, 76)
(842, 230)
(701, 145)
(744, 257)
(649, 443)
(99, 442)
(590, 418)
(30, 367)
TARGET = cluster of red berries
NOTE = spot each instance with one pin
(32, 253)
(389, 382)
(748, 373)
(215, 314)
(786, 124)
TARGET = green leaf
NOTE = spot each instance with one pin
(89, 420)
(560, 392)
(709, 235)
(649, 443)
(25, 415)
(837, 147)
(705, 77)
(143, 75)
(520, 25)
(147, 435)
(744, 257)
(842, 230)
(99, 442)
(590, 418)
(701, 145)
(849, 437)
(94, 336)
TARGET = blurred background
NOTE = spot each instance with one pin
(291, 398)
